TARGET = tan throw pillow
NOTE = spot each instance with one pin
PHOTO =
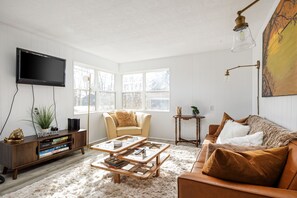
(260, 167)
(224, 119)
(125, 118)
(212, 147)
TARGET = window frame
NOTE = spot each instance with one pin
(97, 92)
(144, 91)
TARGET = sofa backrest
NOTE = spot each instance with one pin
(288, 179)
(274, 134)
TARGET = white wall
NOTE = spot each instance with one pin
(282, 109)
(10, 38)
(198, 80)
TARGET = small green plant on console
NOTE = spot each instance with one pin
(195, 110)
(43, 117)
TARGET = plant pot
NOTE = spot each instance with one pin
(45, 130)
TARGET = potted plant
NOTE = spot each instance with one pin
(195, 110)
(43, 117)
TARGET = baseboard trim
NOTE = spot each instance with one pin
(98, 141)
(155, 138)
(164, 139)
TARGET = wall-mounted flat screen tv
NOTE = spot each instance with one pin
(39, 69)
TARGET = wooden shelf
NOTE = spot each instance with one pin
(54, 145)
(26, 153)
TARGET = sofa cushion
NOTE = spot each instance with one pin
(209, 139)
(232, 129)
(274, 135)
(255, 139)
(288, 179)
(128, 131)
(125, 118)
(197, 167)
(224, 119)
(236, 148)
(260, 167)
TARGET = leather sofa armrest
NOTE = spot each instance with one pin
(110, 126)
(144, 121)
(200, 185)
(212, 129)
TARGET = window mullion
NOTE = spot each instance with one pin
(144, 91)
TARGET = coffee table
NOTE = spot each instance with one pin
(136, 157)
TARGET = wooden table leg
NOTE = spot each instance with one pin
(157, 163)
(5, 169)
(15, 174)
(175, 131)
(82, 151)
(179, 128)
(197, 131)
(116, 178)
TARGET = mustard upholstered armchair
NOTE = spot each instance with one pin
(113, 130)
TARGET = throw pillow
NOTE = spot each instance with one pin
(224, 119)
(232, 129)
(260, 167)
(236, 148)
(255, 139)
(125, 118)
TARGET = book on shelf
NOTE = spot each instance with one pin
(53, 150)
(60, 140)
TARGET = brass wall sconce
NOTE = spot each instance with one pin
(242, 37)
(258, 78)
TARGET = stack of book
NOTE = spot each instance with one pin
(50, 142)
(60, 139)
(54, 150)
(115, 162)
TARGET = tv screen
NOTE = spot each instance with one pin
(40, 69)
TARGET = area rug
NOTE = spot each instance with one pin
(81, 180)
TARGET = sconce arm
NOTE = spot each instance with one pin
(247, 7)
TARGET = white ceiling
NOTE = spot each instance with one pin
(132, 30)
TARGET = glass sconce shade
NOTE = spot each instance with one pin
(242, 40)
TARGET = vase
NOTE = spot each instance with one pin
(45, 130)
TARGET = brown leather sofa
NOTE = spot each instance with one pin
(196, 184)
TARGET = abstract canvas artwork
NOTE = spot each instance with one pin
(279, 74)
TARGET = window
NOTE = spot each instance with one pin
(106, 93)
(102, 95)
(157, 90)
(149, 91)
(132, 91)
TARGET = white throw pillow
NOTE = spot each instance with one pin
(232, 129)
(255, 139)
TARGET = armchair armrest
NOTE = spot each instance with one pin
(196, 184)
(212, 129)
(110, 126)
(144, 121)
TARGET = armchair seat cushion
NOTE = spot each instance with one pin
(131, 130)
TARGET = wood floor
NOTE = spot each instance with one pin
(35, 173)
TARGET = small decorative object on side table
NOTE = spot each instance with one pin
(178, 110)
(178, 128)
